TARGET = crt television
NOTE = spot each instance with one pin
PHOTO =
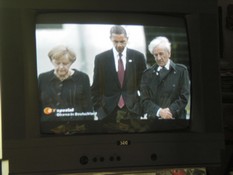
(29, 29)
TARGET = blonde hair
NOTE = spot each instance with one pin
(59, 51)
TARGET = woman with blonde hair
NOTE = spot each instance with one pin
(64, 92)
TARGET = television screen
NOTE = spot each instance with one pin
(75, 86)
(61, 64)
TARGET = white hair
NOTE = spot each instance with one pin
(160, 41)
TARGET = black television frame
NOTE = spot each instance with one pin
(29, 152)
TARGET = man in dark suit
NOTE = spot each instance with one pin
(117, 76)
(165, 87)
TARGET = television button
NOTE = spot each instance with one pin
(101, 159)
(118, 158)
(111, 158)
(95, 159)
(153, 157)
(84, 160)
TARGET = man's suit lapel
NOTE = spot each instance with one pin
(112, 68)
(156, 80)
(165, 75)
(129, 66)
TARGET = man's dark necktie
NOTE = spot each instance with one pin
(162, 73)
(121, 72)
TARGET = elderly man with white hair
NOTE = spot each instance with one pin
(165, 87)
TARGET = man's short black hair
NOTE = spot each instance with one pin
(117, 29)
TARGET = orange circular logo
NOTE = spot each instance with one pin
(48, 110)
